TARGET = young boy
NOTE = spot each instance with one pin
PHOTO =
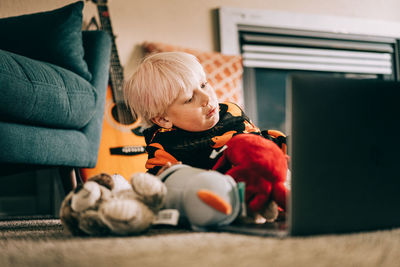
(184, 121)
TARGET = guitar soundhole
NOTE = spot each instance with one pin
(123, 115)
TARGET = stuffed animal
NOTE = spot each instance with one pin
(262, 166)
(204, 198)
(110, 205)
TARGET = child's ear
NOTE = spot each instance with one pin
(163, 122)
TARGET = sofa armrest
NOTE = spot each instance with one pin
(97, 46)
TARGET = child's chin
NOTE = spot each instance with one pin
(214, 121)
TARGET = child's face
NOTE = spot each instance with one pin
(195, 111)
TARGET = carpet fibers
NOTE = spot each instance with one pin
(45, 243)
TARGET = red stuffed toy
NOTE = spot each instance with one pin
(261, 164)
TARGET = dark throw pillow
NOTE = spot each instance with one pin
(53, 36)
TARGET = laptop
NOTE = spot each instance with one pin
(344, 157)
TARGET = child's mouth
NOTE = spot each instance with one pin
(211, 112)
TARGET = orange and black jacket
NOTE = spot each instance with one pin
(194, 148)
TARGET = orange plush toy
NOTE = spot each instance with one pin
(261, 165)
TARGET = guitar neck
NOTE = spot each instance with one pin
(116, 70)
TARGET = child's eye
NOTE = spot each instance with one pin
(203, 85)
(189, 100)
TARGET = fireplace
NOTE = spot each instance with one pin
(275, 44)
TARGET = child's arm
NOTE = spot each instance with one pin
(277, 137)
(237, 111)
(169, 164)
(158, 159)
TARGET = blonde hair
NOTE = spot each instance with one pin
(159, 80)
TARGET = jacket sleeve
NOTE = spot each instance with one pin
(277, 137)
(236, 111)
(157, 158)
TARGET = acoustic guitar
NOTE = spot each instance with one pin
(122, 146)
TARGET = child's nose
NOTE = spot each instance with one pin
(205, 99)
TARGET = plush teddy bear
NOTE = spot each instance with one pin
(262, 166)
(110, 205)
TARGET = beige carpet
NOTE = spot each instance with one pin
(44, 243)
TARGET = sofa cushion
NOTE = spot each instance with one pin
(53, 36)
(39, 93)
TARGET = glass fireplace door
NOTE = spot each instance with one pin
(270, 55)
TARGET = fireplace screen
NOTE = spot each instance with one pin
(270, 54)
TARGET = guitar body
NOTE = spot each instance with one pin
(121, 151)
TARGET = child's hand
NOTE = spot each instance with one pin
(166, 166)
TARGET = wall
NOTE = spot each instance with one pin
(193, 23)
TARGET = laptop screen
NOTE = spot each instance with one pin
(344, 154)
